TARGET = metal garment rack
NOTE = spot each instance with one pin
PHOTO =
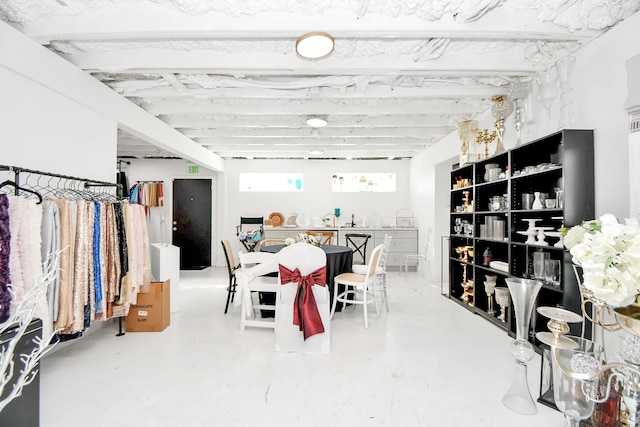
(87, 183)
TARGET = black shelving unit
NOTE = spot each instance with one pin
(561, 160)
(564, 160)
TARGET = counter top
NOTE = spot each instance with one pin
(270, 227)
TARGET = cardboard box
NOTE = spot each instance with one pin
(151, 313)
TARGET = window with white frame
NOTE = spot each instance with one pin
(271, 182)
(363, 182)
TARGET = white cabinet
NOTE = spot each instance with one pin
(404, 240)
(165, 265)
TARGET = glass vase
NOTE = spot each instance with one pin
(576, 397)
(523, 295)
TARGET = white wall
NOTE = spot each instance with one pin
(43, 130)
(317, 198)
(633, 107)
(599, 84)
(229, 204)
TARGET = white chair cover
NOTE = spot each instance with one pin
(307, 259)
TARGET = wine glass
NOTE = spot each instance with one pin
(489, 288)
(458, 226)
(575, 397)
(502, 298)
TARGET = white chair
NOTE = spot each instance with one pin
(422, 257)
(308, 260)
(360, 289)
(250, 278)
(381, 272)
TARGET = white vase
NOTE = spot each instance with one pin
(537, 201)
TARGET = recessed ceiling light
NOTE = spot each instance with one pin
(314, 45)
(316, 122)
(316, 152)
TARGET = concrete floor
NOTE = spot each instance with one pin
(428, 362)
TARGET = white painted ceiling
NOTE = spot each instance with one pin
(225, 73)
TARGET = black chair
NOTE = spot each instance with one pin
(231, 269)
(358, 244)
(249, 224)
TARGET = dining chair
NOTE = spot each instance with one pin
(268, 242)
(326, 237)
(422, 256)
(360, 289)
(381, 271)
(303, 301)
(358, 243)
(231, 271)
(251, 278)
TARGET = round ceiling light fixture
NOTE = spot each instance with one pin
(316, 152)
(315, 45)
(316, 122)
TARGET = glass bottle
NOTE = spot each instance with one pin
(487, 256)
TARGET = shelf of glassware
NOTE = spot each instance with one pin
(552, 185)
(491, 270)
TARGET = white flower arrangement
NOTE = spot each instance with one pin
(302, 238)
(609, 254)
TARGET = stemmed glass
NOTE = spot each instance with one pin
(502, 298)
(458, 226)
(574, 392)
(489, 288)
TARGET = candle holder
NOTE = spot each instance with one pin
(558, 326)
(490, 288)
(502, 298)
(518, 91)
(501, 109)
(467, 131)
(486, 138)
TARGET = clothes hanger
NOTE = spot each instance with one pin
(26, 190)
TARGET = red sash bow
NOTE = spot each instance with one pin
(305, 309)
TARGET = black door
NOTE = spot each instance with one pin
(192, 222)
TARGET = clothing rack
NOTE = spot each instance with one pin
(69, 182)
(87, 182)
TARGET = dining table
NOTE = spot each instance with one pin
(339, 260)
